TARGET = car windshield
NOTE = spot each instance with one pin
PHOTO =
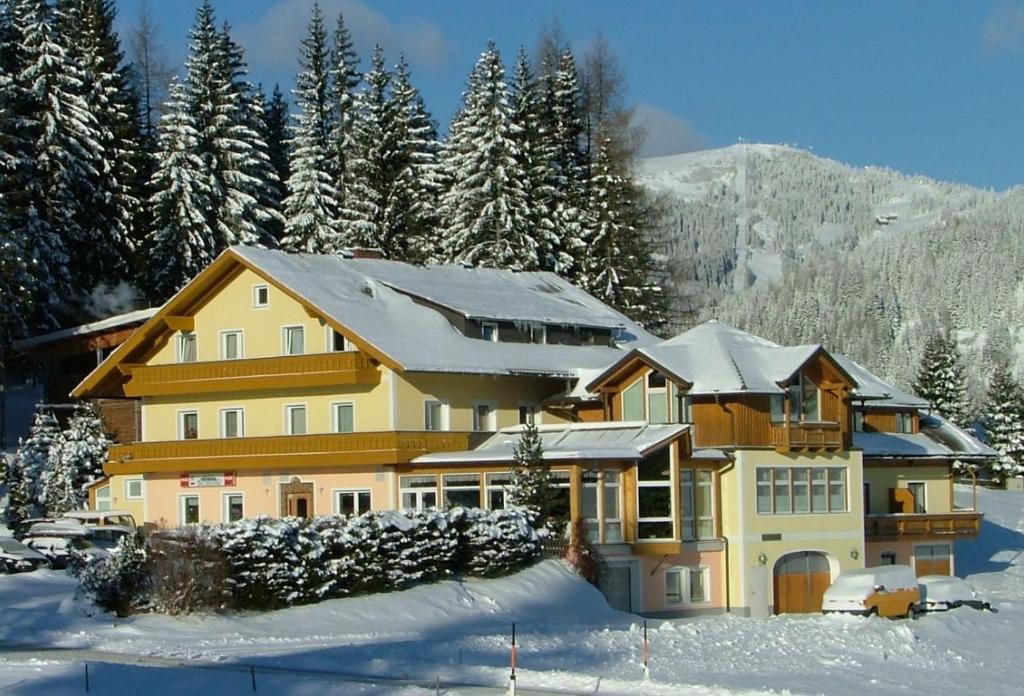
(123, 520)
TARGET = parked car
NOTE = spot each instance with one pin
(16, 557)
(109, 536)
(889, 591)
(59, 540)
(945, 592)
(102, 518)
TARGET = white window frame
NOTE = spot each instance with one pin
(222, 421)
(225, 506)
(459, 486)
(288, 408)
(181, 508)
(663, 392)
(224, 343)
(336, 503)
(532, 413)
(493, 325)
(284, 338)
(501, 488)
(334, 416)
(180, 346)
(924, 501)
(445, 415)
(108, 498)
(418, 492)
(255, 296)
(829, 470)
(181, 423)
(684, 573)
(491, 424)
(672, 484)
(142, 490)
(346, 345)
(904, 420)
(539, 331)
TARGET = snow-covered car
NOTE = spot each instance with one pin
(945, 592)
(16, 557)
(889, 591)
(101, 518)
(59, 540)
(109, 536)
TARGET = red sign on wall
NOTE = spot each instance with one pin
(206, 480)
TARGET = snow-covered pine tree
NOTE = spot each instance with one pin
(530, 484)
(277, 136)
(311, 208)
(371, 166)
(76, 459)
(344, 78)
(410, 216)
(1004, 421)
(182, 241)
(940, 380)
(485, 209)
(29, 464)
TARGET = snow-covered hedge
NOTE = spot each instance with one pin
(269, 562)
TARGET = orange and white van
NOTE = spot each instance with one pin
(890, 591)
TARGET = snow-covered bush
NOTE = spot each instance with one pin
(187, 572)
(118, 582)
(498, 542)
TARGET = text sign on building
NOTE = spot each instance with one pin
(207, 480)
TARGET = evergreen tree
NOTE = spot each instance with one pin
(344, 78)
(76, 459)
(486, 209)
(940, 380)
(1004, 421)
(277, 137)
(311, 211)
(371, 167)
(26, 470)
(530, 485)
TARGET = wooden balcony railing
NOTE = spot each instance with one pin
(270, 453)
(287, 371)
(807, 435)
(901, 526)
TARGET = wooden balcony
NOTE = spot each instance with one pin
(961, 525)
(343, 450)
(224, 376)
(806, 435)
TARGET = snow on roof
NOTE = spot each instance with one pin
(871, 387)
(420, 339)
(938, 439)
(608, 440)
(119, 320)
(716, 358)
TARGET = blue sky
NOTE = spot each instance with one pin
(930, 88)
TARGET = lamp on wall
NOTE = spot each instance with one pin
(762, 558)
(854, 554)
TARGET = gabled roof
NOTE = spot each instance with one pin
(713, 358)
(115, 322)
(389, 325)
(872, 388)
(938, 439)
(618, 440)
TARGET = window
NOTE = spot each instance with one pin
(657, 398)
(777, 406)
(188, 425)
(233, 507)
(654, 496)
(600, 505)
(418, 492)
(133, 489)
(230, 345)
(809, 407)
(352, 502)
(803, 402)
(697, 501)
(904, 423)
(496, 490)
(633, 402)
(187, 347)
(527, 414)
(683, 405)
(858, 421)
(260, 296)
(294, 340)
(343, 417)
(103, 498)
(887, 558)
(461, 490)
(538, 333)
(484, 417)
(560, 494)
(232, 422)
(489, 331)
(801, 490)
(337, 343)
(295, 419)
(917, 489)
(435, 415)
(686, 585)
(189, 509)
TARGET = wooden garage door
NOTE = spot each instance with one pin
(800, 582)
(614, 583)
(932, 559)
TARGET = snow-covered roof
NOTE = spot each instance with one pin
(357, 294)
(114, 322)
(716, 358)
(938, 439)
(880, 393)
(618, 440)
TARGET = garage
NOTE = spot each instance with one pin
(932, 559)
(614, 582)
(801, 579)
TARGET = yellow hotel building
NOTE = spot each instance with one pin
(715, 471)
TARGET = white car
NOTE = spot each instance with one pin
(945, 592)
(16, 557)
(58, 540)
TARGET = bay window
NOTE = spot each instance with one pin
(654, 496)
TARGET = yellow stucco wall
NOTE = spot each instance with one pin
(838, 535)
(936, 486)
(119, 497)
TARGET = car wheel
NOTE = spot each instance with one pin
(913, 612)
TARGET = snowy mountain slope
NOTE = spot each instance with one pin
(801, 249)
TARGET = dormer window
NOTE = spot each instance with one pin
(804, 403)
(489, 331)
(904, 423)
(260, 296)
(657, 398)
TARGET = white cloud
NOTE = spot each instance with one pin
(271, 41)
(1003, 29)
(667, 134)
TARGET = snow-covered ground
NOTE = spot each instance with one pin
(569, 639)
